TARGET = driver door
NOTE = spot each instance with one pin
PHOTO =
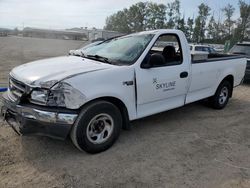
(164, 87)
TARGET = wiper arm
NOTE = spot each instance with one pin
(105, 59)
(82, 54)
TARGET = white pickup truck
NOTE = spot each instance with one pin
(90, 98)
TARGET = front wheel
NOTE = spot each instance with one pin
(97, 127)
(222, 95)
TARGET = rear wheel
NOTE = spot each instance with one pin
(97, 127)
(222, 95)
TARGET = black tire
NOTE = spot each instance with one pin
(216, 101)
(80, 135)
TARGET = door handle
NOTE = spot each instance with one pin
(184, 75)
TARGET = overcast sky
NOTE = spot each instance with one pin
(60, 14)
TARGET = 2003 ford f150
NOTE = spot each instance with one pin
(93, 96)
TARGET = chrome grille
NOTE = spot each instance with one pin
(16, 88)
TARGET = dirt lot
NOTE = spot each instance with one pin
(193, 146)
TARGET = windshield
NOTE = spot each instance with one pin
(121, 51)
(241, 49)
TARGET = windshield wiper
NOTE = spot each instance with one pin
(82, 54)
(105, 59)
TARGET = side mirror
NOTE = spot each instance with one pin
(154, 60)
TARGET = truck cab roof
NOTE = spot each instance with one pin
(158, 31)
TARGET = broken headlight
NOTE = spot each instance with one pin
(64, 95)
(60, 95)
(39, 96)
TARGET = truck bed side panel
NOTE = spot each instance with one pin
(206, 76)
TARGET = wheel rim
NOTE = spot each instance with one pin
(100, 128)
(223, 95)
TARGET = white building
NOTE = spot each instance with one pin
(93, 34)
(70, 34)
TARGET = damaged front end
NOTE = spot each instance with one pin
(61, 94)
(64, 95)
(43, 111)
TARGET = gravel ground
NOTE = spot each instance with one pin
(193, 146)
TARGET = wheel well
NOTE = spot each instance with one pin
(120, 105)
(230, 79)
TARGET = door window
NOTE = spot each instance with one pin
(169, 47)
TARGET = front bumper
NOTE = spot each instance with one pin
(32, 119)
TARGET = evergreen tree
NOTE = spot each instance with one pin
(190, 29)
(173, 14)
(200, 22)
(228, 23)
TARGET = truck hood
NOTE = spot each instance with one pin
(47, 72)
